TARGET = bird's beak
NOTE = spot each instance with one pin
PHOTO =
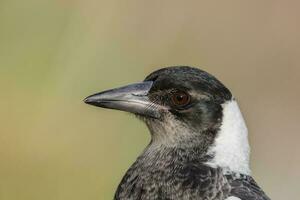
(131, 98)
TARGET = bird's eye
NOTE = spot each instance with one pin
(180, 98)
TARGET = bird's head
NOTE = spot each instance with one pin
(177, 103)
(182, 106)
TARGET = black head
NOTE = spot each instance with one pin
(177, 103)
(189, 79)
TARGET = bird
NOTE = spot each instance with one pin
(199, 145)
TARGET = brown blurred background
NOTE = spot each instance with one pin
(53, 53)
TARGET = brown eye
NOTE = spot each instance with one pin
(180, 98)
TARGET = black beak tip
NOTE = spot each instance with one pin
(88, 100)
(94, 100)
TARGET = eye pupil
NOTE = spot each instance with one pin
(180, 98)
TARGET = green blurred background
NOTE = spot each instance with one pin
(53, 53)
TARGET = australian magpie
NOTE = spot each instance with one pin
(199, 141)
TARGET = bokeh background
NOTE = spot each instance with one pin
(53, 53)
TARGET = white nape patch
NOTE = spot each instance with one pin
(231, 147)
(233, 198)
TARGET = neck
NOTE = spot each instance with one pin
(170, 132)
(161, 157)
(231, 150)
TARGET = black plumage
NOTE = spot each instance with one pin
(183, 109)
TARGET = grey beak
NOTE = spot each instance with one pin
(131, 98)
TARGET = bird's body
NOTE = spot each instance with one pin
(184, 179)
(199, 142)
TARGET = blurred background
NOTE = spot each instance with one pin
(53, 53)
